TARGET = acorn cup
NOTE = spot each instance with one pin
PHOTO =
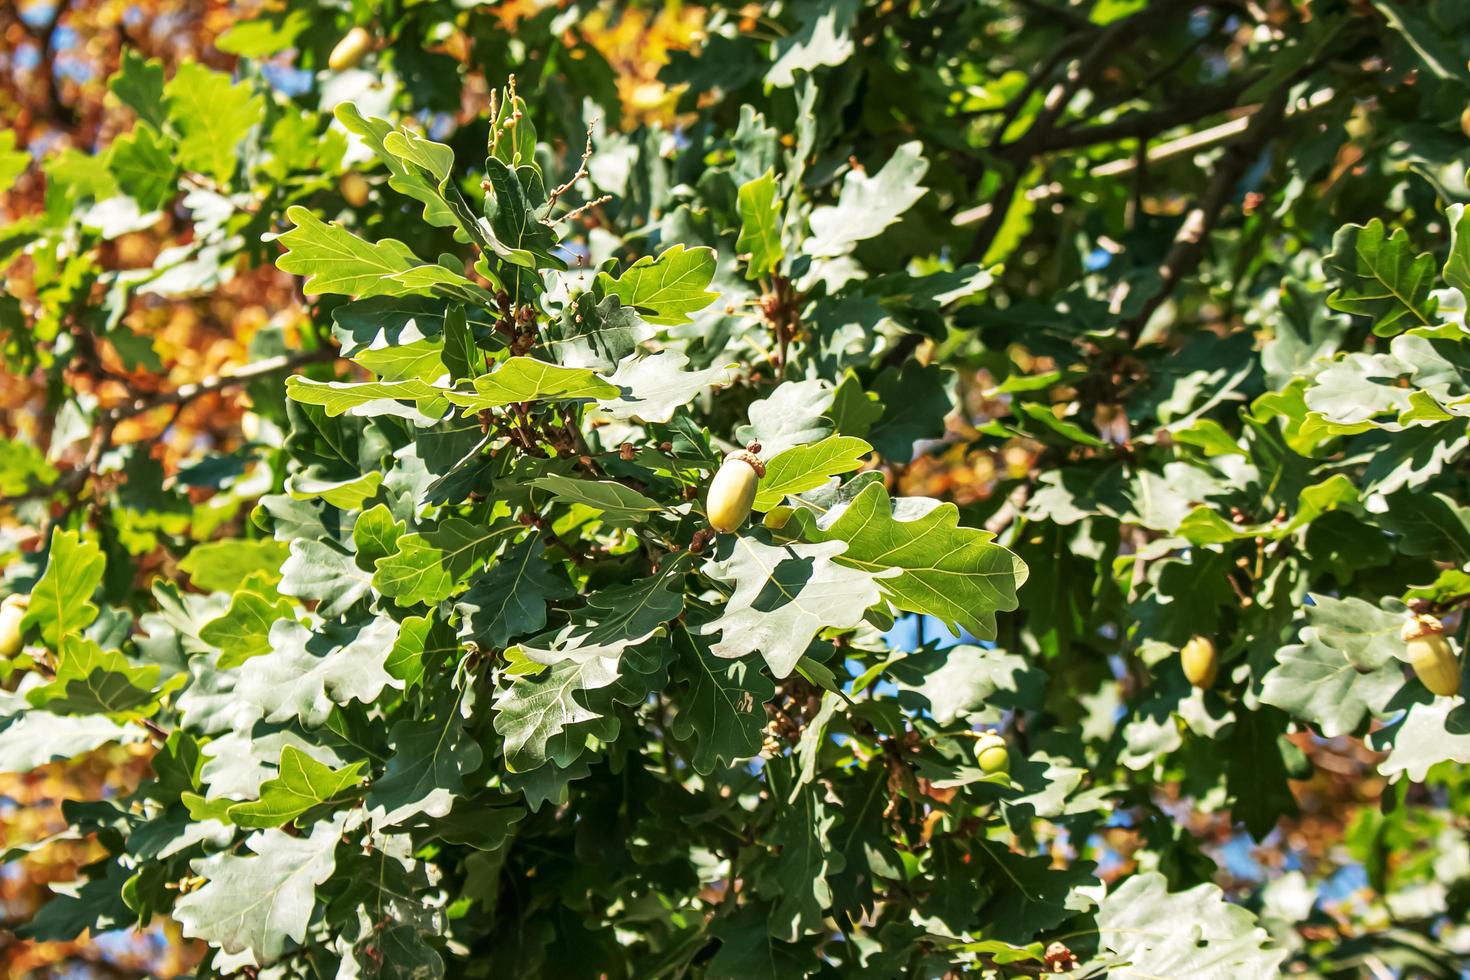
(1201, 662)
(1431, 655)
(732, 491)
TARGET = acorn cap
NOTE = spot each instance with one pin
(1421, 626)
(749, 458)
(987, 739)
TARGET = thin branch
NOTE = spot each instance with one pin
(1022, 150)
(579, 211)
(187, 393)
(1189, 241)
(1194, 106)
(562, 188)
(72, 480)
(1067, 15)
(1203, 139)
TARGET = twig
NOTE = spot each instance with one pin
(1020, 152)
(189, 392)
(1204, 139)
(1195, 106)
(1189, 241)
(562, 188)
(578, 212)
(71, 481)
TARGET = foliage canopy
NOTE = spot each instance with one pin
(1071, 331)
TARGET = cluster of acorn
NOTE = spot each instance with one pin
(728, 505)
(1430, 654)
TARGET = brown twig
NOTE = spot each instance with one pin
(562, 188)
(72, 480)
(1189, 241)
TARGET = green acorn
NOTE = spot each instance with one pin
(1201, 662)
(1431, 655)
(992, 754)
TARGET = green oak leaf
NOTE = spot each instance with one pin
(322, 571)
(37, 737)
(803, 468)
(547, 717)
(1315, 682)
(300, 784)
(91, 681)
(721, 707)
(404, 179)
(425, 773)
(139, 85)
(869, 203)
(510, 600)
(61, 601)
(1027, 899)
(223, 566)
(916, 398)
(596, 335)
(244, 629)
(792, 415)
(433, 565)
(620, 506)
(375, 535)
(1379, 276)
(797, 880)
(211, 115)
(334, 260)
(749, 951)
(615, 618)
(823, 38)
(668, 288)
(307, 673)
(519, 236)
(525, 379)
(783, 596)
(262, 901)
(1365, 635)
(1457, 266)
(652, 388)
(921, 557)
(1428, 734)
(1256, 772)
(418, 360)
(348, 493)
(1209, 936)
(145, 165)
(760, 226)
(368, 398)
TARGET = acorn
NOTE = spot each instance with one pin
(732, 491)
(1431, 655)
(12, 611)
(992, 754)
(1200, 662)
(1465, 121)
(354, 187)
(350, 50)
